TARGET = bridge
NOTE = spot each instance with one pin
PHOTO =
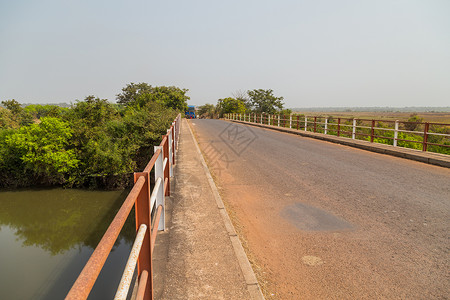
(316, 220)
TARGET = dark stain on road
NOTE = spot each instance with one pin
(310, 218)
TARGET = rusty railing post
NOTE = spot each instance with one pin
(143, 216)
(339, 127)
(298, 120)
(372, 131)
(315, 124)
(425, 136)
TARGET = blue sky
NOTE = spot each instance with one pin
(313, 53)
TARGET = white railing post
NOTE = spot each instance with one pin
(159, 173)
(354, 129)
(174, 139)
(290, 121)
(306, 123)
(278, 120)
(169, 134)
(326, 125)
(268, 120)
(261, 121)
(395, 133)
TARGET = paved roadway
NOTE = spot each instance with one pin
(325, 221)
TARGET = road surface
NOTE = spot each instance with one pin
(326, 221)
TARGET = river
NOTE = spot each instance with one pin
(47, 236)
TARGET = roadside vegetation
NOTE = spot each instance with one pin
(93, 143)
(251, 101)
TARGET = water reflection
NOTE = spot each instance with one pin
(46, 237)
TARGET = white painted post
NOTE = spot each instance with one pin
(395, 133)
(261, 119)
(306, 123)
(169, 132)
(354, 129)
(290, 121)
(326, 125)
(159, 173)
(269, 119)
(278, 120)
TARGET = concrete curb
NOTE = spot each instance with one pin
(437, 159)
(250, 277)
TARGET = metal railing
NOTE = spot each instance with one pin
(145, 199)
(371, 130)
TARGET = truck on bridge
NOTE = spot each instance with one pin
(190, 113)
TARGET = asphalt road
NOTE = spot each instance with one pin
(325, 221)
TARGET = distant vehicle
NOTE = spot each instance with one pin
(190, 113)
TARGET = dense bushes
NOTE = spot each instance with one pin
(92, 144)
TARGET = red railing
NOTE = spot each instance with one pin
(359, 127)
(144, 198)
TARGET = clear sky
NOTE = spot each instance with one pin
(313, 53)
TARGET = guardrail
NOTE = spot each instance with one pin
(382, 131)
(146, 200)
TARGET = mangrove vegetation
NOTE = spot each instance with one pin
(93, 143)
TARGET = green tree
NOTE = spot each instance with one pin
(207, 111)
(132, 91)
(19, 115)
(264, 101)
(6, 119)
(143, 93)
(169, 96)
(42, 149)
(38, 110)
(415, 119)
(230, 105)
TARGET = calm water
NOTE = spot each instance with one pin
(46, 237)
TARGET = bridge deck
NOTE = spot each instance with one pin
(327, 221)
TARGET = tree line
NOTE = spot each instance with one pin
(251, 101)
(94, 143)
